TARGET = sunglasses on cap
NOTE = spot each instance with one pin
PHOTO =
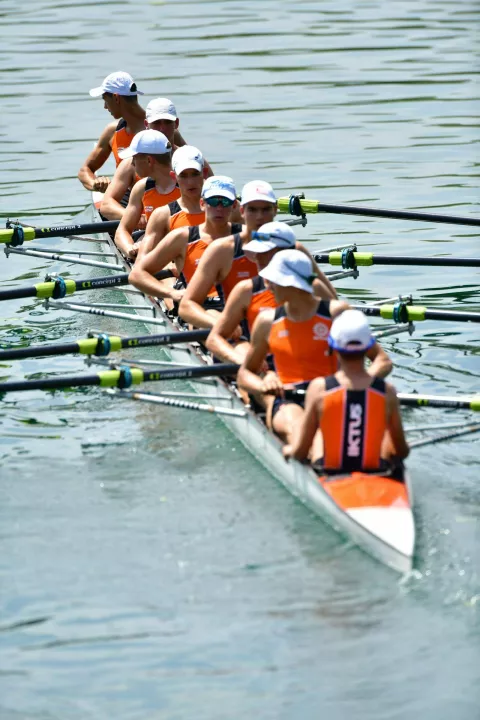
(218, 200)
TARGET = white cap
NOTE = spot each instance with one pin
(351, 333)
(187, 157)
(290, 268)
(271, 235)
(160, 109)
(219, 185)
(118, 83)
(149, 142)
(258, 190)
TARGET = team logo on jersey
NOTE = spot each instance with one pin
(354, 433)
(283, 333)
(148, 208)
(320, 331)
(243, 274)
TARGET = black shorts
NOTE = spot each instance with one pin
(291, 398)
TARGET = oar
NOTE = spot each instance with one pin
(102, 345)
(296, 205)
(122, 378)
(365, 259)
(60, 287)
(415, 400)
(440, 401)
(466, 430)
(416, 313)
(17, 234)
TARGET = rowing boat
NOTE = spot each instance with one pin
(372, 510)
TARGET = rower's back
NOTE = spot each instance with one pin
(353, 424)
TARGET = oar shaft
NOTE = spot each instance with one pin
(313, 206)
(441, 401)
(116, 378)
(103, 346)
(366, 259)
(47, 289)
(30, 233)
(417, 313)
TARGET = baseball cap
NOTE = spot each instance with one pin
(160, 109)
(258, 190)
(119, 83)
(221, 185)
(290, 268)
(150, 142)
(187, 157)
(351, 333)
(271, 235)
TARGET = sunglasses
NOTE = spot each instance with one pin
(216, 201)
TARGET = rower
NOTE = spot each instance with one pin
(189, 172)
(151, 154)
(120, 96)
(160, 115)
(358, 414)
(296, 336)
(224, 263)
(185, 246)
(251, 296)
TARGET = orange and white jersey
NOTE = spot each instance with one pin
(181, 218)
(242, 268)
(152, 199)
(353, 424)
(300, 349)
(121, 140)
(262, 299)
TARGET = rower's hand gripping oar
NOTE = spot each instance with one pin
(60, 287)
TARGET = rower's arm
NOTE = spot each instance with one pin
(395, 426)
(130, 219)
(381, 364)
(322, 287)
(98, 157)
(158, 227)
(228, 321)
(206, 276)
(123, 179)
(170, 249)
(178, 140)
(248, 376)
(306, 430)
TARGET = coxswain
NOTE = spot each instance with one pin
(151, 154)
(224, 263)
(160, 115)
(185, 246)
(120, 97)
(295, 334)
(249, 297)
(357, 413)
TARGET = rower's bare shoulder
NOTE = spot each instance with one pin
(264, 321)
(107, 134)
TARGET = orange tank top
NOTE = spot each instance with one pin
(152, 199)
(300, 349)
(262, 299)
(353, 424)
(241, 269)
(180, 218)
(195, 249)
(121, 140)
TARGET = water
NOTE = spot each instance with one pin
(149, 567)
